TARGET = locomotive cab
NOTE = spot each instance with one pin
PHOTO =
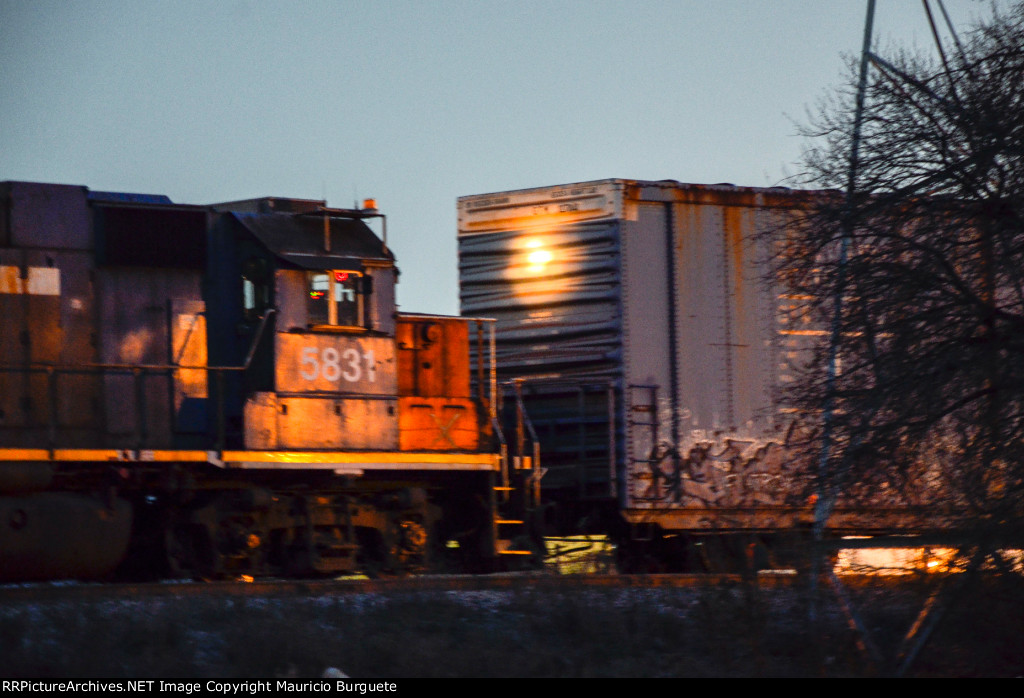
(306, 301)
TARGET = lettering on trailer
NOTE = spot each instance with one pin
(568, 207)
(574, 191)
(484, 203)
(513, 210)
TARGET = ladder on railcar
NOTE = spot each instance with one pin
(515, 497)
(645, 456)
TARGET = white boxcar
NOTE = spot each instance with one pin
(652, 338)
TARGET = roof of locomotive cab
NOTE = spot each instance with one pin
(299, 240)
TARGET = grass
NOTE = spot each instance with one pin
(712, 631)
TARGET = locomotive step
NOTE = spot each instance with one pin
(507, 522)
(514, 552)
(504, 489)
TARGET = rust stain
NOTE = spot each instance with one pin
(726, 195)
(733, 220)
(689, 222)
(438, 424)
(433, 357)
(732, 225)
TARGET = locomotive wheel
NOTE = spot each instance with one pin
(189, 552)
(374, 555)
(411, 549)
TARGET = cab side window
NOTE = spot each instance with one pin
(336, 299)
(256, 280)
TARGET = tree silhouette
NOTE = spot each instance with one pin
(911, 263)
(916, 274)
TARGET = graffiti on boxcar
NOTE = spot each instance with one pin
(731, 474)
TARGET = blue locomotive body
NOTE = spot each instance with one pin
(228, 389)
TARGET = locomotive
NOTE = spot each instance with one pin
(228, 389)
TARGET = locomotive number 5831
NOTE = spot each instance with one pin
(336, 363)
(349, 364)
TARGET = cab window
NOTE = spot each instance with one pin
(336, 299)
(256, 283)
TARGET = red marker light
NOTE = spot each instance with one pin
(341, 276)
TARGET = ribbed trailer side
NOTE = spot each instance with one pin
(545, 264)
(554, 293)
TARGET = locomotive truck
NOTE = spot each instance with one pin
(227, 389)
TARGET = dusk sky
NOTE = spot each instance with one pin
(417, 103)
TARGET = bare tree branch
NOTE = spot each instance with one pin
(930, 331)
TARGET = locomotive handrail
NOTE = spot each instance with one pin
(524, 423)
(592, 385)
(52, 370)
(502, 449)
(140, 370)
(72, 368)
(492, 407)
(259, 335)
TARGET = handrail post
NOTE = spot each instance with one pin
(494, 374)
(220, 413)
(141, 432)
(51, 388)
(480, 360)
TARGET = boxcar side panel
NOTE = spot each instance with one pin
(646, 300)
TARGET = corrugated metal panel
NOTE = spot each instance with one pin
(554, 294)
(650, 402)
(712, 354)
(545, 264)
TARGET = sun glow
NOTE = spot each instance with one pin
(537, 257)
(540, 257)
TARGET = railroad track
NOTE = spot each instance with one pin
(324, 587)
